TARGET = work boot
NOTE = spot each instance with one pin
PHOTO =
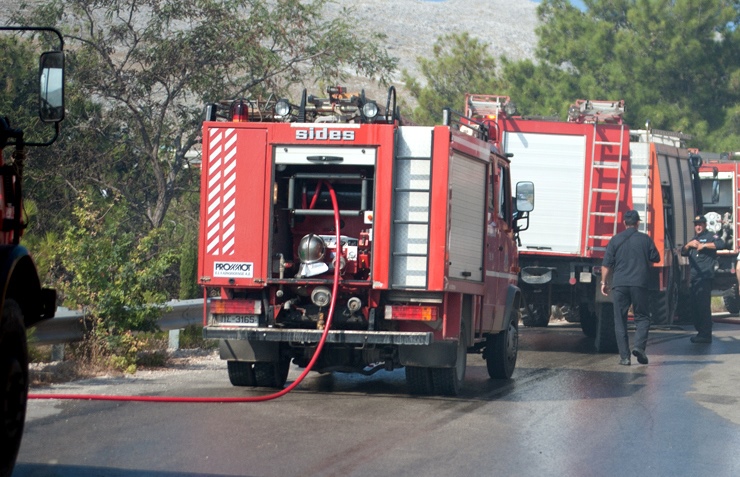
(701, 339)
(641, 356)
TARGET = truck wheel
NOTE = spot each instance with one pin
(272, 374)
(588, 321)
(419, 380)
(241, 373)
(663, 305)
(683, 314)
(502, 350)
(537, 315)
(448, 381)
(13, 384)
(571, 314)
(605, 340)
(732, 301)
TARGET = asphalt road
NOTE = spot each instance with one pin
(567, 412)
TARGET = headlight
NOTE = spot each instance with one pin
(282, 108)
(370, 110)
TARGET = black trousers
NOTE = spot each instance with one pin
(701, 305)
(623, 297)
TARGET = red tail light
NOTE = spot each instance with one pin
(415, 313)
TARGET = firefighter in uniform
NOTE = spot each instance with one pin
(702, 251)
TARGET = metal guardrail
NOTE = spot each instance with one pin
(67, 325)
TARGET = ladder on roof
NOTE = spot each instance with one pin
(603, 201)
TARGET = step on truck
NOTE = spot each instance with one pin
(24, 301)
(426, 247)
(588, 171)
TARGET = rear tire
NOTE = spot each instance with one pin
(241, 373)
(605, 340)
(419, 380)
(731, 300)
(588, 322)
(538, 315)
(448, 381)
(502, 350)
(663, 306)
(13, 384)
(272, 374)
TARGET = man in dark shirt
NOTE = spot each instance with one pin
(626, 271)
(702, 251)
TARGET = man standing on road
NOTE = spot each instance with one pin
(702, 251)
(625, 271)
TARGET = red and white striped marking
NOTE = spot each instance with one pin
(221, 192)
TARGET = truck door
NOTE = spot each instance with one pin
(501, 244)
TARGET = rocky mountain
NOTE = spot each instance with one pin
(413, 26)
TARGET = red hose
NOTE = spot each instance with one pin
(268, 397)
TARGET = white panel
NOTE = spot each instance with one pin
(414, 271)
(350, 156)
(640, 164)
(414, 141)
(411, 238)
(556, 164)
(467, 214)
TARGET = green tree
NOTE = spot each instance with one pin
(672, 61)
(460, 64)
(151, 65)
(114, 275)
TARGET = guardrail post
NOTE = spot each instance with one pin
(57, 352)
(174, 340)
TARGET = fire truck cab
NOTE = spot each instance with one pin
(425, 247)
(23, 300)
(719, 173)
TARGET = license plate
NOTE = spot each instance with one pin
(240, 320)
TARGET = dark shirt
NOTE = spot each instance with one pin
(628, 256)
(702, 261)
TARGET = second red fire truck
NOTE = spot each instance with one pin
(588, 171)
(410, 231)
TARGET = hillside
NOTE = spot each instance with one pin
(412, 26)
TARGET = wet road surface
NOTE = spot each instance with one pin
(567, 412)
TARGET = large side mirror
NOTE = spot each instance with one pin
(525, 196)
(51, 94)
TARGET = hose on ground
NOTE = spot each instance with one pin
(267, 397)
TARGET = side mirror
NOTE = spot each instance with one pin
(51, 93)
(525, 196)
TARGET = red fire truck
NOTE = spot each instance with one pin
(719, 188)
(24, 302)
(588, 171)
(418, 224)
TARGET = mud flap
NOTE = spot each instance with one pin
(435, 355)
(252, 351)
